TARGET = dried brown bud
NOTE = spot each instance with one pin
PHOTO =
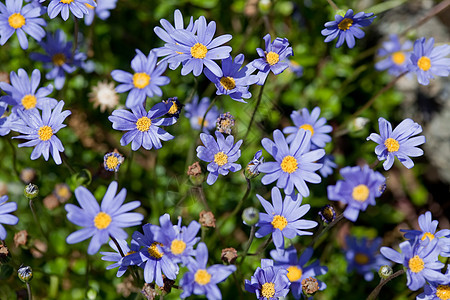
(3, 189)
(28, 175)
(194, 169)
(4, 254)
(20, 238)
(51, 202)
(229, 255)
(310, 285)
(4, 77)
(207, 219)
(149, 291)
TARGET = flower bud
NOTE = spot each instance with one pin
(358, 124)
(225, 123)
(385, 271)
(327, 214)
(25, 274)
(5, 255)
(112, 161)
(310, 285)
(195, 173)
(251, 171)
(207, 219)
(250, 216)
(31, 191)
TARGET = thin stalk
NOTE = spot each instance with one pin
(249, 243)
(206, 112)
(335, 7)
(239, 205)
(374, 164)
(30, 295)
(202, 197)
(262, 247)
(75, 38)
(130, 160)
(16, 172)
(36, 220)
(66, 163)
(254, 111)
(325, 229)
(377, 289)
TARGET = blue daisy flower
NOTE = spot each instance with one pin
(151, 256)
(178, 241)
(21, 20)
(398, 143)
(282, 219)
(41, 131)
(202, 280)
(294, 164)
(5, 215)
(273, 58)
(420, 260)
(143, 127)
(297, 269)
(221, 155)
(79, 8)
(328, 165)
(117, 257)
(358, 189)
(428, 228)
(197, 51)
(164, 34)
(362, 256)
(59, 58)
(347, 27)
(268, 282)
(427, 60)
(145, 81)
(23, 91)
(396, 56)
(311, 122)
(235, 79)
(436, 290)
(102, 10)
(101, 221)
(195, 112)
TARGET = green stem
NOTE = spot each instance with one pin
(238, 207)
(36, 220)
(325, 229)
(254, 111)
(16, 172)
(377, 290)
(30, 295)
(249, 243)
(206, 112)
(66, 163)
(75, 38)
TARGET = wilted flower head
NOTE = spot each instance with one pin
(225, 123)
(104, 95)
(112, 161)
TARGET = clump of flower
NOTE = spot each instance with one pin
(294, 164)
(101, 221)
(221, 155)
(145, 81)
(347, 27)
(274, 58)
(225, 123)
(202, 280)
(400, 142)
(396, 56)
(427, 60)
(358, 190)
(104, 95)
(282, 219)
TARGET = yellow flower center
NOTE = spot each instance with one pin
(45, 133)
(220, 158)
(199, 51)
(398, 58)
(427, 235)
(141, 80)
(294, 273)
(416, 264)
(112, 162)
(143, 124)
(392, 145)
(345, 24)
(66, 1)
(289, 164)
(360, 193)
(361, 259)
(59, 59)
(308, 127)
(268, 290)
(424, 63)
(177, 247)
(228, 83)
(279, 222)
(16, 20)
(154, 251)
(29, 101)
(200, 120)
(202, 277)
(443, 292)
(102, 220)
(272, 58)
(173, 109)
